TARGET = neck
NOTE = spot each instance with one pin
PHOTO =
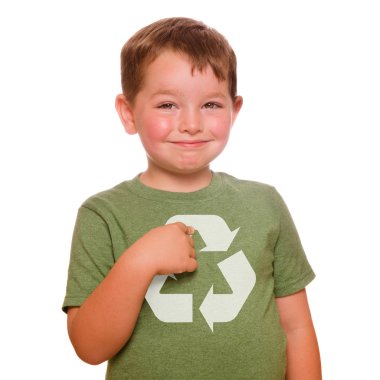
(176, 182)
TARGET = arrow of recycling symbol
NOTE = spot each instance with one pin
(213, 229)
(236, 270)
(225, 307)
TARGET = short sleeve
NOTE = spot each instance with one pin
(91, 257)
(292, 271)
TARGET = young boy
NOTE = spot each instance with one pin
(183, 273)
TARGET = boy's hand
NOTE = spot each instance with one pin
(168, 249)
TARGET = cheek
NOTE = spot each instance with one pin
(221, 127)
(156, 129)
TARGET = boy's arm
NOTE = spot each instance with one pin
(303, 359)
(102, 325)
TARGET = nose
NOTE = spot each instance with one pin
(190, 122)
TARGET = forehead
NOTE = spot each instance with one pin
(170, 54)
(172, 66)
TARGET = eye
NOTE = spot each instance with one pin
(166, 106)
(212, 105)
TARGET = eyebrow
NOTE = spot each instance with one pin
(174, 92)
(167, 92)
(217, 94)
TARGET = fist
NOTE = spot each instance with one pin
(168, 249)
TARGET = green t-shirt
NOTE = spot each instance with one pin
(220, 322)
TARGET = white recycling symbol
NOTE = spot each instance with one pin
(236, 269)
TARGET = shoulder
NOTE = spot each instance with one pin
(261, 196)
(109, 199)
(249, 187)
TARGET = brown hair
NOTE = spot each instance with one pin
(202, 44)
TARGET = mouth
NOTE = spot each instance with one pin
(190, 143)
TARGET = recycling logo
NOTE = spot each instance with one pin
(236, 269)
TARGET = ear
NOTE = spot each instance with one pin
(238, 103)
(125, 112)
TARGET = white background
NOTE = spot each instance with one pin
(309, 75)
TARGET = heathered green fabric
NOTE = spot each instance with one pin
(249, 346)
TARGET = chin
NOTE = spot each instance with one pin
(192, 169)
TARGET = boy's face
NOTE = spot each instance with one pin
(183, 118)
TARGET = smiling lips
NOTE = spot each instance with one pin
(190, 143)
